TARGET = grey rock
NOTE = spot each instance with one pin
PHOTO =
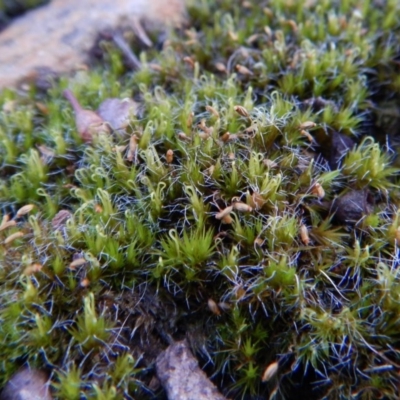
(27, 384)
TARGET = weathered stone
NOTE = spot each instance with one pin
(181, 377)
(352, 206)
(27, 384)
(57, 38)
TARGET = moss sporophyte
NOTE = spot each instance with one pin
(248, 202)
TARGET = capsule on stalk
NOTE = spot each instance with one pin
(213, 306)
(169, 156)
(270, 371)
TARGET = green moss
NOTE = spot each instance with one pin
(246, 218)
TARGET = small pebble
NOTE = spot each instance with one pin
(27, 384)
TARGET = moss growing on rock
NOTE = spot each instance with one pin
(219, 215)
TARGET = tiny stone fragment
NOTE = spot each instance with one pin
(340, 145)
(352, 206)
(27, 384)
(181, 377)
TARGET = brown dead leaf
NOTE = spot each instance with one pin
(118, 112)
(88, 123)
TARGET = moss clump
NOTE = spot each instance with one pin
(229, 225)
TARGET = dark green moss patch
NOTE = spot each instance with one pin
(293, 235)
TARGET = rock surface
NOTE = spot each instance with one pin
(181, 377)
(27, 384)
(57, 38)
